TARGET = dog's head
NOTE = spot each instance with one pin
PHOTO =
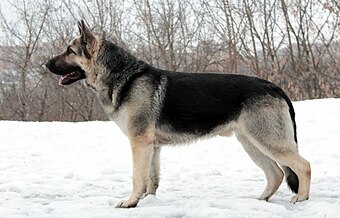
(72, 64)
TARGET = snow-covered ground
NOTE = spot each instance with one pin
(84, 169)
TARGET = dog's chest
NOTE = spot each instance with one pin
(121, 118)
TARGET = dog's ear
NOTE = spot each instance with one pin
(80, 28)
(85, 33)
(87, 37)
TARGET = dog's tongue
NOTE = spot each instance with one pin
(66, 79)
(63, 79)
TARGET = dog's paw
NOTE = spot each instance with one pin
(127, 204)
(299, 198)
(148, 193)
(263, 198)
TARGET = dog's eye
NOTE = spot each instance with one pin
(69, 51)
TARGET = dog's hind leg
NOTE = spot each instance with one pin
(295, 162)
(272, 171)
(269, 127)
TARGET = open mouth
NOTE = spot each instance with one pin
(72, 77)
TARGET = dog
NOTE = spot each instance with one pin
(155, 107)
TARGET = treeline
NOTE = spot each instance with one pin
(294, 44)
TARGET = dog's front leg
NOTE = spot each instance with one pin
(154, 173)
(141, 154)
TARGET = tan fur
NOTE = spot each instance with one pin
(142, 147)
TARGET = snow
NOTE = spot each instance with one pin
(83, 169)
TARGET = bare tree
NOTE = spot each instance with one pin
(292, 43)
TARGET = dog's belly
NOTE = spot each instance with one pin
(164, 136)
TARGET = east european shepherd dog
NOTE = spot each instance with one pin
(155, 107)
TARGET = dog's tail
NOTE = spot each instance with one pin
(291, 177)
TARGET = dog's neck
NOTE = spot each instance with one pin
(112, 69)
